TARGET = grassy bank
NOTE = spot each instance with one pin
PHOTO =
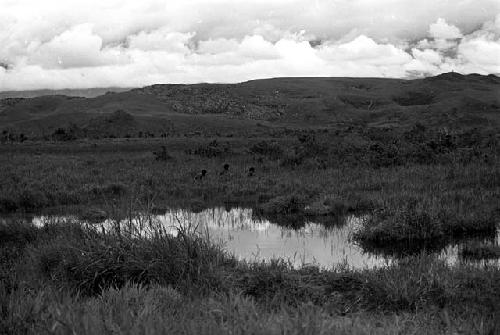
(408, 202)
(418, 190)
(66, 279)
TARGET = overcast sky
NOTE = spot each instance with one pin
(101, 43)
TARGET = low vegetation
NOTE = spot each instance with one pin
(77, 281)
(419, 164)
(478, 251)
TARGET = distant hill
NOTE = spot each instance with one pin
(449, 100)
(85, 92)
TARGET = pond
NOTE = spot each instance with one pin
(251, 238)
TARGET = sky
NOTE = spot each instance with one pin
(59, 44)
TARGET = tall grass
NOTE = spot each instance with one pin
(163, 310)
(77, 280)
(453, 194)
(66, 279)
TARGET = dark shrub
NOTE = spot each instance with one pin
(162, 155)
(270, 149)
(8, 205)
(109, 190)
(63, 134)
(291, 160)
(32, 199)
(480, 251)
(284, 205)
(212, 149)
(17, 232)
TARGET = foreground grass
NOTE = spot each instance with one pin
(67, 279)
(162, 310)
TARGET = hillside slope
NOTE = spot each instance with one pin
(449, 100)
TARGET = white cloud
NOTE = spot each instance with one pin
(365, 51)
(161, 39)
(86, 43)
(481, 53)
(74, 48)
(427, 56)
(442, 30)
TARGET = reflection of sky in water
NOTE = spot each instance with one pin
(255, 239)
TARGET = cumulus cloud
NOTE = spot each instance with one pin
(364, 50)
(74, 48)
(481, 53)
(91, 43)
(442, 30)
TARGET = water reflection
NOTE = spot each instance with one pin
(255, 239)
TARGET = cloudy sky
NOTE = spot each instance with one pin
(102, 43)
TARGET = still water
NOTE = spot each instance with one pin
(256, 239)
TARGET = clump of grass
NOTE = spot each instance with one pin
(136, 282)
(277, 283)
(284, 205)
(412, 224)
(90, 262)
(212, 149)
(93, 215)
(32, 199)
(328, 205)
(399, 227)
(16, 232)
(136, 309)
(109, 190)
(270, 149)
(424, 282)
(413, 283)
(7, 205)
(285, 210)
(479, 251)
(163, 154)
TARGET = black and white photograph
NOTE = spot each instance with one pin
(277, 167)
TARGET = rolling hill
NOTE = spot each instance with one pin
(84, 92)
(449, 100)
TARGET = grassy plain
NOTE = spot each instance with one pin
(420, 158)
(65, 279)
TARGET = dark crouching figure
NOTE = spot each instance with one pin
(201, 175)
(251, 172)
(225, 171)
